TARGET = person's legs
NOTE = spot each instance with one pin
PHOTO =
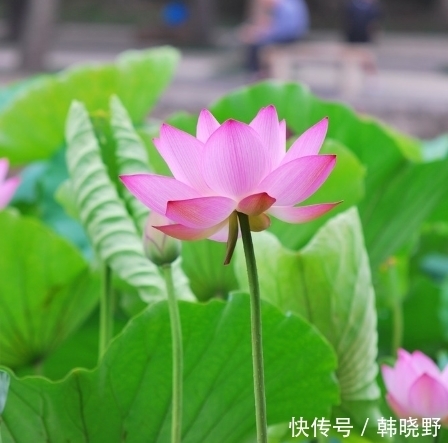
(254, 65)
(253, 58)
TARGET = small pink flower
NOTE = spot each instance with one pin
(7, 186)
(234, 167)
(416, 387)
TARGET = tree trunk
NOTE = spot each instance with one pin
(15, 13)
(443, 8)
(39, 23)
(204, 20)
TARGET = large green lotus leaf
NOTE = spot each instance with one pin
(80, 350)
(402, 186)
(131, 158)
(405, 201)
(9, 92)
(46, 290)
(128, 396)
(137, 78)
(328, 282)
(111, 229)
(45, 190)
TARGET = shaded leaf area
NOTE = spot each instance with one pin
(401, 189)
(127, 398)
(423, 326)
(431, 256)
(425, 296)
(426, 307)
(79, 350)
(433, 150)
(36, 196)
(328, 282)
(392, 281)
(202, 262)
(41, 106)
(45, 293)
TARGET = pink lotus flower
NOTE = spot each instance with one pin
(7, 186)
(234, 167)
(416, 387)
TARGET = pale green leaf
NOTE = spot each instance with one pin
(41, 106)
(131, 157)
(101, 211)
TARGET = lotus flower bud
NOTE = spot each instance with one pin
(159, 247)
(416, 387)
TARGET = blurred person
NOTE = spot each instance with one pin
(361, 20)
(278, 21)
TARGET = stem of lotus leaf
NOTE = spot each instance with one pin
(256, 328)
(106, 311)
(397, 336)
(177, 352)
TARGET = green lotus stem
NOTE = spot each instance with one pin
(256, 327)
(106, 311)
(398, 325)
(176, 338)
(397, 305)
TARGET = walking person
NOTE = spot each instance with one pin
(278, 21)
(361, 20)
